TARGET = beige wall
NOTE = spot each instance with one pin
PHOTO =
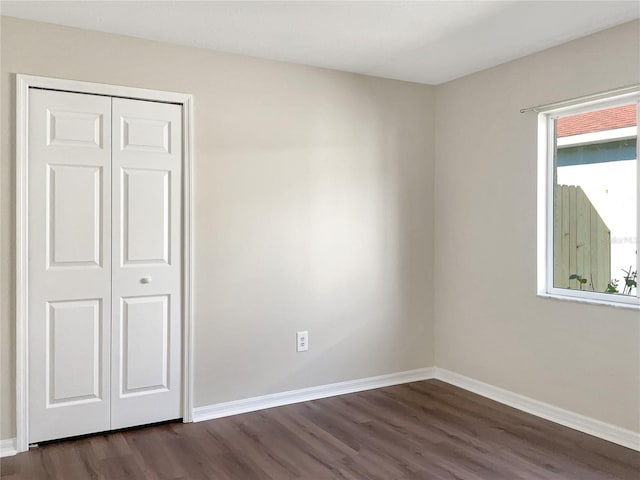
(313, 209)
(579, 357)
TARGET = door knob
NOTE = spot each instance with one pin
(146, 279)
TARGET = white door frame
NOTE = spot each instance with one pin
(23, 83)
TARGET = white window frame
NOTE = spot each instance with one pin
(546, 153)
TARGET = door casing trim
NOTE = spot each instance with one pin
(23, 84)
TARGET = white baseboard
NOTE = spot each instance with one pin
(305, 394)
(8, 447)
(597, 428)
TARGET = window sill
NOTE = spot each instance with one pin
(591, 301)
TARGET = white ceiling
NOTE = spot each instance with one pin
(427, 42)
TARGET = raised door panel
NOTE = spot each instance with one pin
(74, 128)
(74, 331)
(69, 271)
(144, 345)
(74, 215)
(145, 216)
(145, 135)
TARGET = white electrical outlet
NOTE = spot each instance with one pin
(302, 341)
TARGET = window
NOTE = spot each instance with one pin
(589, 200)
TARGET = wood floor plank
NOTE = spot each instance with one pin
(250, 444)
(419, 431)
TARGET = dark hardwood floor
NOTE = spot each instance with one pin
(422, 430)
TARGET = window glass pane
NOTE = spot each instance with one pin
(595, 199)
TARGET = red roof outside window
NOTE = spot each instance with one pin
(608, 119)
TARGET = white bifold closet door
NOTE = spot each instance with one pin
(104, 264)
(146, 328)
(69, 264)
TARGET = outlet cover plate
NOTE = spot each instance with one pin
(302, 341)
